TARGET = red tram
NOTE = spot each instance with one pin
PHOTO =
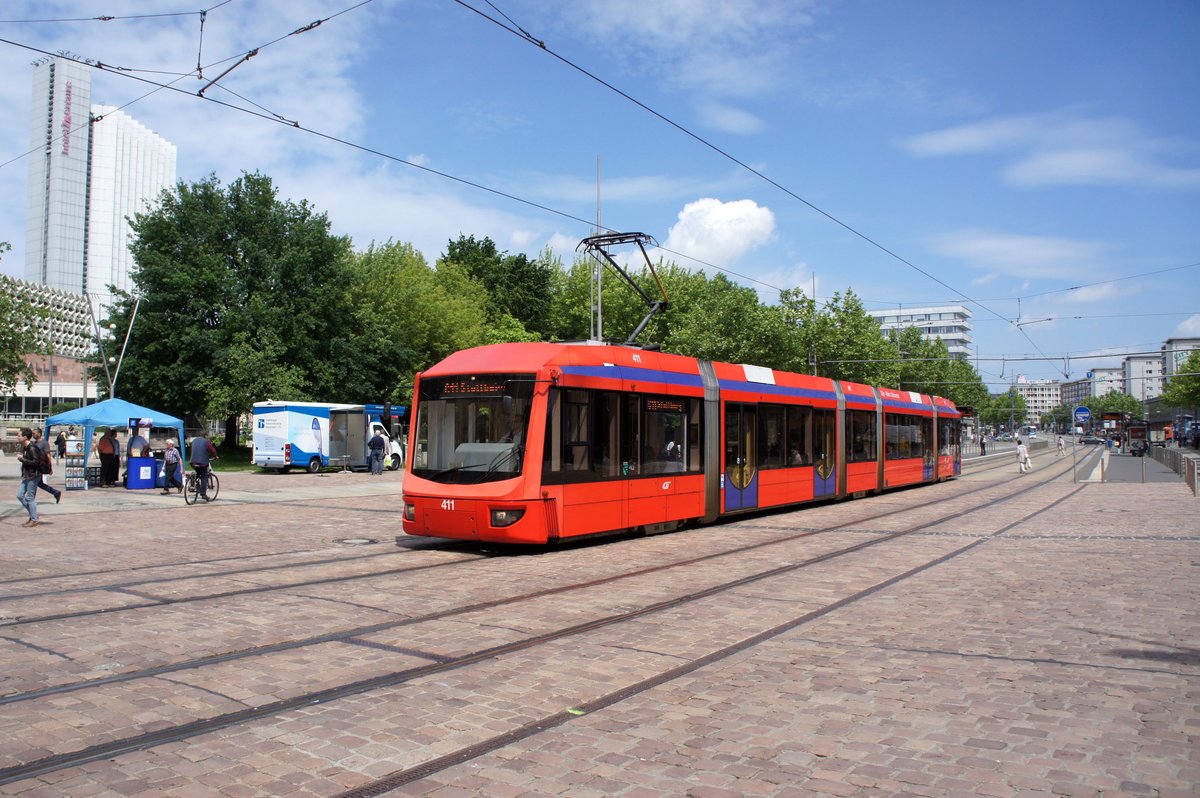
(534, 442)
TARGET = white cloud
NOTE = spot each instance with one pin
(720, 232)
(1189, 328)
(988, 136)
(1098, 166)
(1019, 255)
(1097, 293)
(712, 47)
(1067, 148)
(796, 276)
(305, 77)
(730, 119)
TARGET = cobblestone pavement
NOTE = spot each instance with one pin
(997, 635)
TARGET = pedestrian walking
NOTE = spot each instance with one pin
(1023, 461)
(172, 465)
(60, 445)
(1062, 448)
(31, 474)
(44, 467)
(983, 446)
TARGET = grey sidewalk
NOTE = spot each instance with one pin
(237, 487)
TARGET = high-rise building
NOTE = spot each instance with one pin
(1107, 379)
(67, 337)
(1175, 351)
(1143, 376)
(94, 167)
(1099, 381)
(1041, 396)
(950, 323)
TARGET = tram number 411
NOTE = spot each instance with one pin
(447, 504)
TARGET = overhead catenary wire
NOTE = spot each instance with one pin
(916, 303)
(277, 119)
(280, 119)
(540, 44)
(271, 117)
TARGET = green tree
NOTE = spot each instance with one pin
(1059, 417)
(622, 308)
(1183, 389)
(731, 325)
(1115, 402)
(837, 339)
(409, 316)
(516, 286)
(18, 334)
(240, 296)
(1003, 410)
(965, 387)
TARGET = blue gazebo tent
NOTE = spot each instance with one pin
(111, 413)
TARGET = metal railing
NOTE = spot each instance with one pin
(1185, 462)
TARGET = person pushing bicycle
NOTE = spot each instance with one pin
(202, 453)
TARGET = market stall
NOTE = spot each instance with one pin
(118, 414)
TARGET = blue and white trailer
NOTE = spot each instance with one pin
(316, 435)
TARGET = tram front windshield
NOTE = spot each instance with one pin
(472, 429)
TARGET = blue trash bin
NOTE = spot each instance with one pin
(141, 473)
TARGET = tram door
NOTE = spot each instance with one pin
(741, 457)
(824, 453)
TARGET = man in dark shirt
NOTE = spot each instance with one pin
(203, 452)
(31, 474)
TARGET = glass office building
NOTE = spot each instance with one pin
(92, 167)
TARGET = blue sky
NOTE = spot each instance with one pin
(1006, 151)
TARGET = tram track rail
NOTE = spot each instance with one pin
(401, 542)
(182, 731)
(149, 603)
(137, 583)
(400, 778)
(368, 629)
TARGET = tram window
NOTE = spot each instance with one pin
(605, 434)
(861, 445)
(576, 447)
(605, 423)
(694, 461)
(631, 434)
(770, 436)
(824, 438)
(798, 453)
(664, 427)
(948, 429)
(899, 435)
(908, 436)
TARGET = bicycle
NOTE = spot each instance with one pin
(191, 487)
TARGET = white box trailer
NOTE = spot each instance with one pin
(316, 435)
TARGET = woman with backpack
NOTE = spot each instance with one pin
(45, 467)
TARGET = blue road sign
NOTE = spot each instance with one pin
(1082, 415)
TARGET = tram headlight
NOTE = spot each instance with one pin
(507, 516)
(410, 511)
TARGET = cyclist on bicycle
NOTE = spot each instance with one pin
(202, 453)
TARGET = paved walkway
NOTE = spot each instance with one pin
(237, 487)
(995, 635)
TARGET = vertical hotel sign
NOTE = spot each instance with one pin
(66, 121)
